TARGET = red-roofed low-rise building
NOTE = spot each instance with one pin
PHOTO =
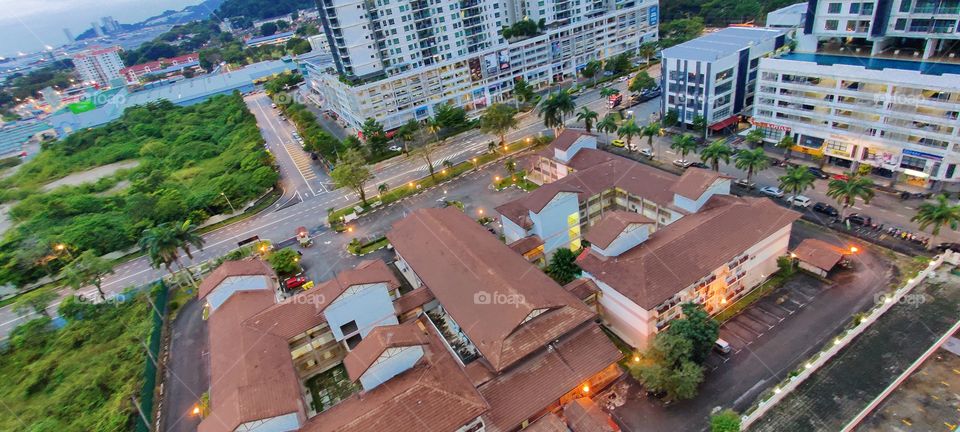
(161, 68)
(654, 240)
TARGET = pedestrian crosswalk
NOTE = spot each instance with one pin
(302, 160)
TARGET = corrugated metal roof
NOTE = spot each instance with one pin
(721, 43)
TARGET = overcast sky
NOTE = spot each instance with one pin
(29, 25)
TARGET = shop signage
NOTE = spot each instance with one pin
(918, 154)
(770, 126)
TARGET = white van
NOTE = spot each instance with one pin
(722, 346)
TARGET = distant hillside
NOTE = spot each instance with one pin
(169, 17)
(260, 9)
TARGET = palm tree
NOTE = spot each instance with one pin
(511, 166)
(434, 126)
(609, 91)
(753, 161)
(715, 152)
(787, 144)
(754, 137)
(587, 117)
(161, 246)
(628, 131)
(382, 189)
(185, 233)
(407, 133)
(647, 50)
(522, 92)
(683, 144)
(608, 124)
(796, 180)
(847, 191)
(555, 108)
(591, 69)
(937, 215)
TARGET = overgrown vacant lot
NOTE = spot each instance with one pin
(186, 157)
(77, 378)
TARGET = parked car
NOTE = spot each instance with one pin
(722, 346)
(618, 143)
(942, 247)
(314, 156)
(799, 201)
(826, 209)
(395, 148)
(859, 219)
(623, 78)
(772, 191)
(648, 94)
(273, 105)
(295, 282)
(647, 152)
(699, 165)
(744, 183)
(840, 177)
(817, 172)
(682, 163)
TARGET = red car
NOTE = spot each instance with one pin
(295, 282)
(840, 177)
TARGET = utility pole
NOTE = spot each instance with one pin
(228, 202)
(139, 411)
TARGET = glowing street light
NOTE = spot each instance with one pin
(196, 410)
(636, 359)
(854, 249)
(585, 388)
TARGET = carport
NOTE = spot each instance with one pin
(817, 256)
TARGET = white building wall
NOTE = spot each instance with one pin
(552, 223)
(391, 363)
(367, 305)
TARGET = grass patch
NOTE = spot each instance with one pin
(357, 248)
(334, 217)
(518, 179)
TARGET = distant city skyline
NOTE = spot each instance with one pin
(27, 26)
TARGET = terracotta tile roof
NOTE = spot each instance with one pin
(567, 137)
(819, 253)
(251, 373)
(433, 396)
(247, 267)
(547, 423)
(634, 177)
(542, 379)
(460, 262)
(379, 340)
(582, 288)
(585, 416)
(681, 253)
(412, 300)
(612, 224)
(588, 157)
(526, 244)
(695, 181)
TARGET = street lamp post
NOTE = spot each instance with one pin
(232, 209)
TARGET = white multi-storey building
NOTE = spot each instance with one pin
(875, 87)
(713, 76)
(397, 60)
(99, 65)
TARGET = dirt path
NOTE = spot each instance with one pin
(90, 175)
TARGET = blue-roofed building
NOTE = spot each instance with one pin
(14, 136)
(273, 39)
(185, 92)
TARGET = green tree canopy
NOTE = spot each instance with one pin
(498, 119)
(563, 267)
(286, 262)
(352, 172)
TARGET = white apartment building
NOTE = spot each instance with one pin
(99, 65)
(885, 113)
(396, 60)
(713, 76)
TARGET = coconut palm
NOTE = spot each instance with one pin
(161, 245)
(683, 144)
(588, 117)
(554, 110)
(787, 144)
(434, 126)
(754, 137)
(608, 124)
(382, 189)
(651, 130)
(647, 50)
(796, 180)
(628, 131)
(937, 215)
(608, 91)
(847, 191)
(715, 152)
(752, 161)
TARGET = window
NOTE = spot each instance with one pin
(867, 9)
(834, 8)
(353, 341)
(724, 74)
(851, 25)
(913, 163)
(901, 24)
(904, 5)
(723, 88)
(854, 8)
(831, 25)
(350, 327)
